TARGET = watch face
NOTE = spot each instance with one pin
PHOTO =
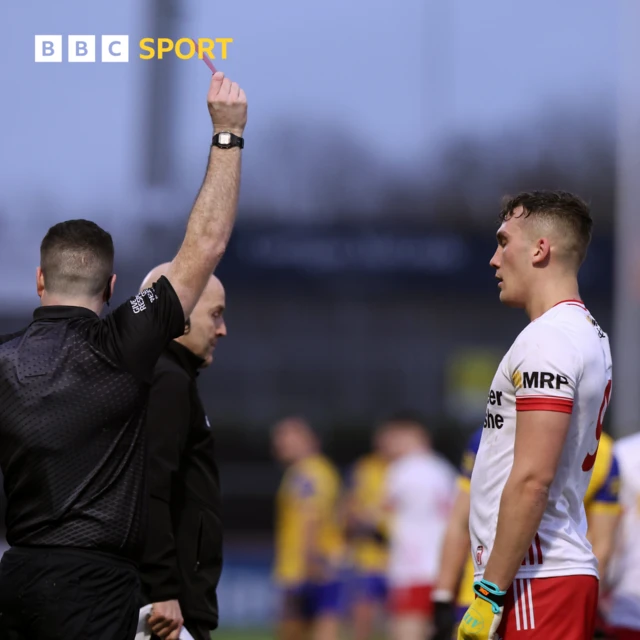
(224, 138)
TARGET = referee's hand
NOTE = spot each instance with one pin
(166, 620)
(227, 105)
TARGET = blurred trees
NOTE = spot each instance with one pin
(319, 170)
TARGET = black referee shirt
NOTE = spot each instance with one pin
(183, 554)
(73, 396)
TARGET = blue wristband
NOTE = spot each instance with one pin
(491, 594)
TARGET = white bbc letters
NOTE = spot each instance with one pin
(115, 48)
(82, 48)
(48, 49)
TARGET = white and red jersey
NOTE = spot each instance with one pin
(420, 491)
(560, 362)
(624, 574)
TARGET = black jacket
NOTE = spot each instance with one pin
(183, 554)
(73, 394)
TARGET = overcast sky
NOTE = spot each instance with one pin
(394, 73)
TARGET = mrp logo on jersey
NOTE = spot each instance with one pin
(116, 48)
(538, 380)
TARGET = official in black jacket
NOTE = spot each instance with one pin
(182, 560)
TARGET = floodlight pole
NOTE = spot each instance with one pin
(626, 326)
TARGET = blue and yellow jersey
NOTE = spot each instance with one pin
(466, 594)
(468, 460)
(601, 496)
(367, 491)
(310, 489)
(604, 488)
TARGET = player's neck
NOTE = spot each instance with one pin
(306, 455)
(547, 295)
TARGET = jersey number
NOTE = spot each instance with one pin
(590, 459)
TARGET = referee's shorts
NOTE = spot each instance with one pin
(67, 594)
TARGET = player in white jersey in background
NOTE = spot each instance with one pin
(420, 488)
(624, 599)
(536, 575)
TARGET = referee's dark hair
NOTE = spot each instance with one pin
(76, 258)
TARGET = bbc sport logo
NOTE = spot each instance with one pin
(81, 48)
(116, 48)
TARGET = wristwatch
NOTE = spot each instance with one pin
(226, 140)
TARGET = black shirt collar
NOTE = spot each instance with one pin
(58, 312)
(189, 361)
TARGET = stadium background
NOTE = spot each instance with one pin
(381, 137)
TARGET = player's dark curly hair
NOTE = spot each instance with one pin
(563, 207)
(76, 257)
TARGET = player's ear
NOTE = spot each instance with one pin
(39, 281)
(542, 252)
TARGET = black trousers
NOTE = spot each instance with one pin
(60, 594)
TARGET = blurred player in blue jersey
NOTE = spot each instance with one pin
(454, 593)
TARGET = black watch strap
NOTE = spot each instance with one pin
(226, 140)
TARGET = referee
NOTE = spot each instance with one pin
(182, 560)
(73, 396)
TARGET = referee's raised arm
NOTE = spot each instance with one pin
(74, 390)
(214, 211)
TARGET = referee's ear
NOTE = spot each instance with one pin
(187, 326)
(108, 290)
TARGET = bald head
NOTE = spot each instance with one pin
(206, 323)
(154, 275)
